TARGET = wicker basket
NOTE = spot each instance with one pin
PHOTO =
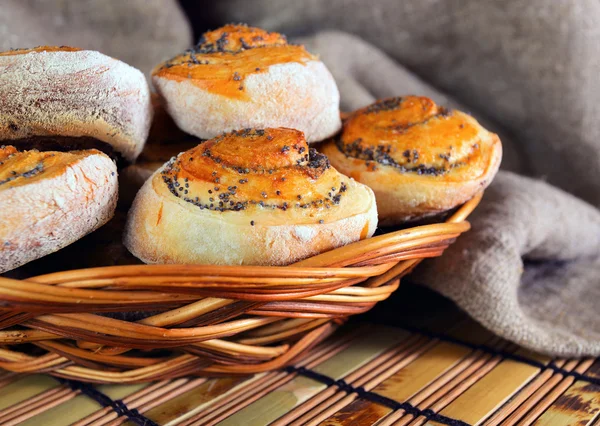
(205, 319)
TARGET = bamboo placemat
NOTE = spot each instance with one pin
(433, 366)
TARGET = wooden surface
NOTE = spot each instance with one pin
(442, 368)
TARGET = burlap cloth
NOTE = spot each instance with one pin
(527, 69)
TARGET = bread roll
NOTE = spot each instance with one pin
(249, 197)
(63, 98)
(419, 159)
(51, 199)
(239, 77)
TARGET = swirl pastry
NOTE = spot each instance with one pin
(51, 199)
(252, 197)
(238, 77)
(419, 159)
(64, 98)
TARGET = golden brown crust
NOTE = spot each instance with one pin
(28, 167)
(256, 169)
(419, 158)
(248, 197)
(239, 76)
(224, 58)
(40, 49)
(51, 199)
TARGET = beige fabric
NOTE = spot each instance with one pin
(527, 69)
(530, 65)
(141, 33)
(551, 304)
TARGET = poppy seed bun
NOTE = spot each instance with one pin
(419, 159)
(250, 197)
(48, 200)
(242, 77)
(52, 96)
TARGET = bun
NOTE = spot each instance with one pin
(419, 159)
(251, 197)
(50, 199)
(63, 98)
(240, 77)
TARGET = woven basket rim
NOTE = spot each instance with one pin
(210, 319)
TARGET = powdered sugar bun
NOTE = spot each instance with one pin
(64, 92)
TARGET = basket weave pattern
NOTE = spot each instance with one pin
(203, 319)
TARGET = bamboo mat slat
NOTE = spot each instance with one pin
(23, 388)
(283, 399)
(579, 405)
(189, 403)
(433, 367)
(489, 393)
(79, 406)
(402, 385)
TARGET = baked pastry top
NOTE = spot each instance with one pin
(224, 58)
(418, 157)
(24, 51)
(238, 77)
(414, 135)
(18, 168)
(258, 171)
